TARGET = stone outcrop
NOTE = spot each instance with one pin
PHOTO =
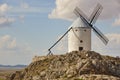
(38, 58)
(76, 65)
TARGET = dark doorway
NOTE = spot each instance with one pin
(80, 48)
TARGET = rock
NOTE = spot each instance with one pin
(87, 65)
(98, 77)
(71, 72)
(12, 76)
(42, 74)
(36, 77)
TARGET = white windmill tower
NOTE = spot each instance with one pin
(79, 38)
(79, 33)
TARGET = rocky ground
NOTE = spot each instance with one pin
(84, 65)
(7, 71)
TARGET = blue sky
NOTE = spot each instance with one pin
(30, 27)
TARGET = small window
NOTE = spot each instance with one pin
(85, 30)
(81, 41)
(76, 30)
(80, 48)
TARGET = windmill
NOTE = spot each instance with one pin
(79, 33)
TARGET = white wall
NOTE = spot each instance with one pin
(79, 37)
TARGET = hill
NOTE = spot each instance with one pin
(76, 65)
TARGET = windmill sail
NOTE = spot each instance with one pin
(58, 41)
(79, 13)
(92, 20)
(100, 35)
(94, 16)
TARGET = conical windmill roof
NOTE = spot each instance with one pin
(78, 23)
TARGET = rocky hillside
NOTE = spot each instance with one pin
(82, 65)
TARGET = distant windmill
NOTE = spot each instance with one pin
(79, 33)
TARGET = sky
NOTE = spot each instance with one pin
(29, 27)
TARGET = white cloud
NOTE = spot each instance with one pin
(26, 8)
(7, 42)
(117, 22)
(13, 52)
(4, 7)
(113, 47)
(12, 44)
(21, 18)
(3, 40)
(64, 8)
(6, 21)
(17, 9)
(24, 5)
